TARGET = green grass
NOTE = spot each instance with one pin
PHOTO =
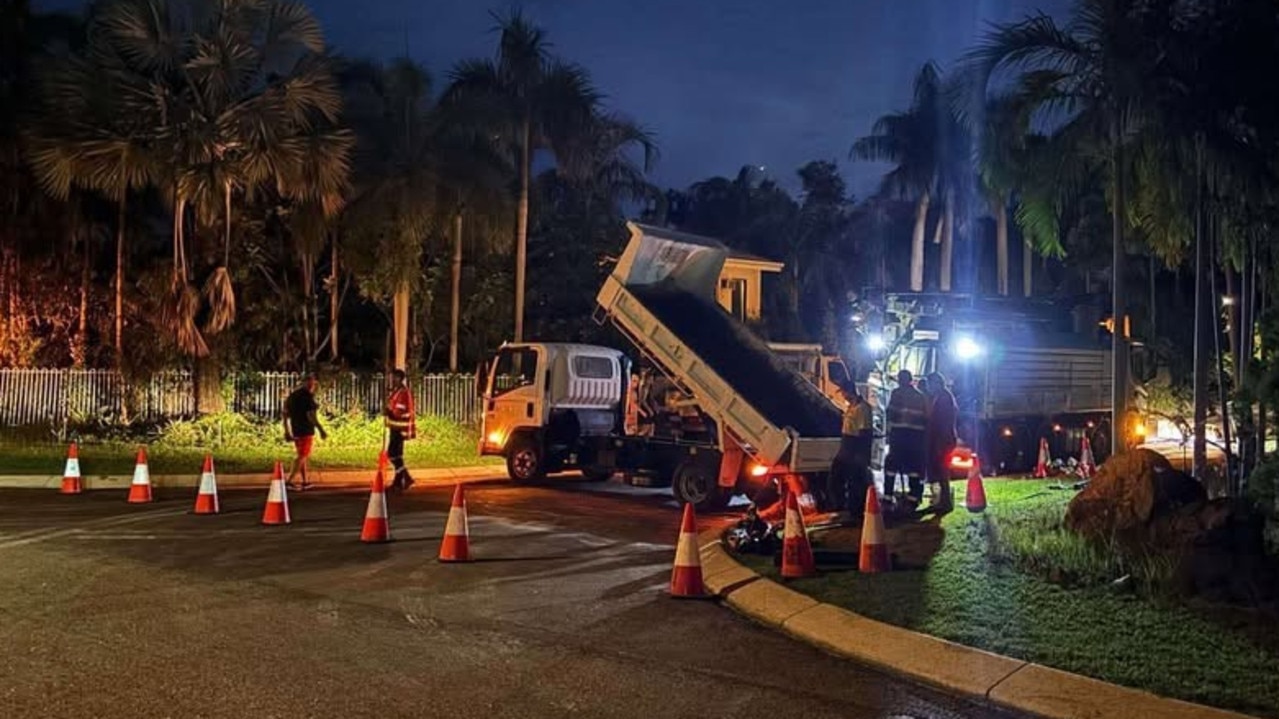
(987, 586)
(241, 446)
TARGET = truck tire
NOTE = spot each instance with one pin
(525, 462)
(697, 484)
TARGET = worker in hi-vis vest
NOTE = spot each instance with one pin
(401, 423)
(907, 416)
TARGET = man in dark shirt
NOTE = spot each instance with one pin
(300, 426)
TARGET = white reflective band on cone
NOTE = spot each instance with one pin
(686, 551)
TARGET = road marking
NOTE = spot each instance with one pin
(46, 534)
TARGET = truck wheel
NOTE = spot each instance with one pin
(524, 461)
(696, 484)
(597, 474)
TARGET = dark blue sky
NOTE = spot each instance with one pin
(721, 83)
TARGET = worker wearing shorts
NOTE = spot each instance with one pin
(300, 426)
(850, 474)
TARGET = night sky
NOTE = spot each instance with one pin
(722, 83)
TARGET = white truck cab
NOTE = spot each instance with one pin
(541, 395)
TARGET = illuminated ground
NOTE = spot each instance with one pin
(146, 611)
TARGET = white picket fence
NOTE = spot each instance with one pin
(55, 396)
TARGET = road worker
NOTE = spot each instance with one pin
(401, 423)
(907, 422)
(850, 475)
(941, 439)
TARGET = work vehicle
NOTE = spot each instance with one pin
(1019, 371)
(826, 372)
(708, 410)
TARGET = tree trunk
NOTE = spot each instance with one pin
(119, 282)
(1231, 488)
(401, 326)
(917, 244)
(1119, 299)
(1232, 315)
(1202, 324)
(948, 241)
(335, 301)
(1261, 404)
(1154, 305)
(1027, 270)
(521, 225)
(1000, 209)
(82, 324)
(208, 385)
(455, 312)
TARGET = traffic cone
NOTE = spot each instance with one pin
(975, 496)
(1041, 467)
(206, 499)
(456, 544)
(140, 490)
(71, 483)
(874, 550)
(686, 577)
(377, 528)
(277, 499)
(1086, 464)
(797, 553)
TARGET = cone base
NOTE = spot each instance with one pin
(686, 583)
(874, 559)
(205, 508)
(455, 549)
(375, 531)
(276, 515)
(139, 498)
(71, 488)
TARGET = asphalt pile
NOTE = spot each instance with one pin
(742, 360)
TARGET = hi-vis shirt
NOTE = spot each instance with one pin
(857, 420)
(399, 411)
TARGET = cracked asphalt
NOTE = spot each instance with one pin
(116, 610)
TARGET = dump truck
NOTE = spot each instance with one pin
(1020, 371)
(707, 408)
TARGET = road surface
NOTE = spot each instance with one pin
(111, 609)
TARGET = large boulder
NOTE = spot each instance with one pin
(1216, 549)
(1129, 491)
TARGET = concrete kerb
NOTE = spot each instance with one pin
(984, 676)
(321, 478)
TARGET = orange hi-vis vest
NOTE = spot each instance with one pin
(400, 414)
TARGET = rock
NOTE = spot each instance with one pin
(1130, 490)
(1213, 549)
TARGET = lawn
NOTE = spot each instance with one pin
(180, 449)
(980, 591)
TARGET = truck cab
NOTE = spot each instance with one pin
(827, 372)
(542, 399)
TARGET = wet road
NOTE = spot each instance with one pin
(110, 609)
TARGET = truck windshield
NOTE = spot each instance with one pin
(515, 368)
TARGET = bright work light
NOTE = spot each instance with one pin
(875, 343)
(966, 348)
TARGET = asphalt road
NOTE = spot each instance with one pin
(116, 610)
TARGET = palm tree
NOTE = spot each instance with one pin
(240, 99)
(87, 137)
(911, 140)
(533, 101)
(1096, 70)
(1001, 132)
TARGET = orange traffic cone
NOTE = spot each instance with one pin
(1086, 464)
(874, 554)
(277, 499)
(1041, 467)
(140, 490)
(975, 497)
(686, 577)
(71, 483)
(797, 553)
(206, 498)
(377, 528)
(456, 544)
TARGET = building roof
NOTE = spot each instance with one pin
(747, 259)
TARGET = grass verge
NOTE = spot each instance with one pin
(988, 586)
(242, 447)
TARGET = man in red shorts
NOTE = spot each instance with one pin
(300, 426)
